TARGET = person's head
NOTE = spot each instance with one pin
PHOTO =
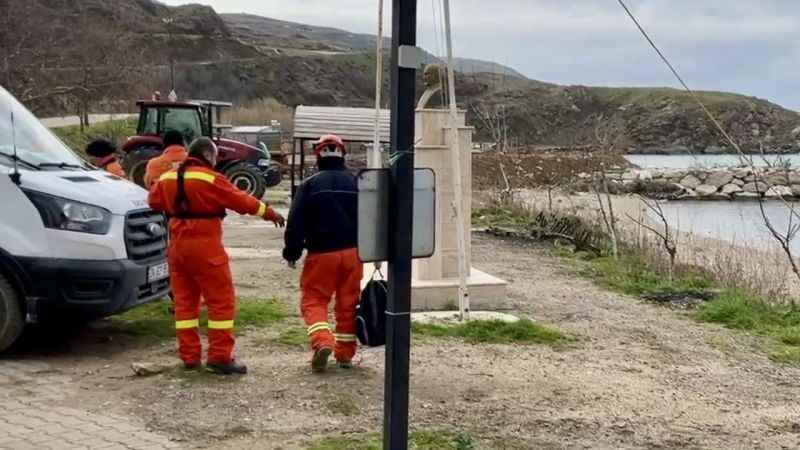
(330, 146)
(205, 149)
(100, 148)
(173, 137)
(99, 151)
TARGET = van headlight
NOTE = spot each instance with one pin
(63, 214)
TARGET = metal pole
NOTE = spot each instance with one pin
(398, 314)
(458, 186)
(374, 159)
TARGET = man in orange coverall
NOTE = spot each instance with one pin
(102, 153)
(323, 220)
(174, 154)
(195, 197)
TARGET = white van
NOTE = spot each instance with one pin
(75, 242)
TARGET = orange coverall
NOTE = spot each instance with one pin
(326, 274)
(170, 159)
(111, 165)
(197, 259)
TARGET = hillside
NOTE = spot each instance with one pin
(98, 55)
(272, 34)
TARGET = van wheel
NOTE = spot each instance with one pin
(247, 178)
(11, 318)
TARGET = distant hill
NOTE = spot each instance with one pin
(270, 34)
(100, 55)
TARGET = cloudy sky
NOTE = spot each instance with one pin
(746, 46)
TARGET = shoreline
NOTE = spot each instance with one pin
(763, 267)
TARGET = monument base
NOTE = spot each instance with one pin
(486, 292)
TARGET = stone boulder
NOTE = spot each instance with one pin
(690, 182)
(746, 195)
(777, 179)
(794, 177)
(738, 182)
(731, 189)
(705, 190)
(755, 188)
(719, 178)
(742, 173)
(778, 192)
(795, 190)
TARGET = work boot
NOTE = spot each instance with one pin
(320, 360)
(231, 367)
(191, 366)
(346, 365)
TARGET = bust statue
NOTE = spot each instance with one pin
(435, 82)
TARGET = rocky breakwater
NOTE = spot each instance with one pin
(715, 184)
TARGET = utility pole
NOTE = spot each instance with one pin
(401, 201)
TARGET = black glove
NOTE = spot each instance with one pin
(291, 255)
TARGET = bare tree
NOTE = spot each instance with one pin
(668, 239)
(607, 136)
(494, 119)
(607, 210)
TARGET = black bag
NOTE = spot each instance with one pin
(371, 314)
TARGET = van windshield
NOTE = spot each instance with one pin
(35, 144)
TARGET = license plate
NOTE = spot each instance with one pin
(158, 272)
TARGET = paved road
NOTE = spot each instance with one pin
(68, 121)
(31, 393)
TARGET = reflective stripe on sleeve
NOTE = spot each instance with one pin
(262, 209)
(319, 326)
(190, 175)
(187, 324)
(220, 324)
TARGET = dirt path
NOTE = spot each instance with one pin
(639, 376)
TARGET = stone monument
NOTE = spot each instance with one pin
(435, 280)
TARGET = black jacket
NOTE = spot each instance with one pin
(324, 215)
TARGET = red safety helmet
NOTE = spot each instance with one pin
(330, 145)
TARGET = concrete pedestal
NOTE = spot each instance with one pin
(435, 280)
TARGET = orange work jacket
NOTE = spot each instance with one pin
(169, 160)
(209, 194)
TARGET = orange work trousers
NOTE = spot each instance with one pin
(199, 268)
(325, 275)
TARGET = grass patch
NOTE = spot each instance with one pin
(500, 217)
(523, 331)
(633, 275)
(153, 320)
(294, 336)
(742, 311)
(421, 440)
(115, 131)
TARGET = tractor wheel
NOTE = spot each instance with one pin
(12, 320)
(274, 176)
(135, 163)
(247, 178)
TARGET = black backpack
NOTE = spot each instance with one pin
(371, 314)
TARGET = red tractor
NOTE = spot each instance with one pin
(249, 168)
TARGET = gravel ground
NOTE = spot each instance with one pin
(638, 376)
